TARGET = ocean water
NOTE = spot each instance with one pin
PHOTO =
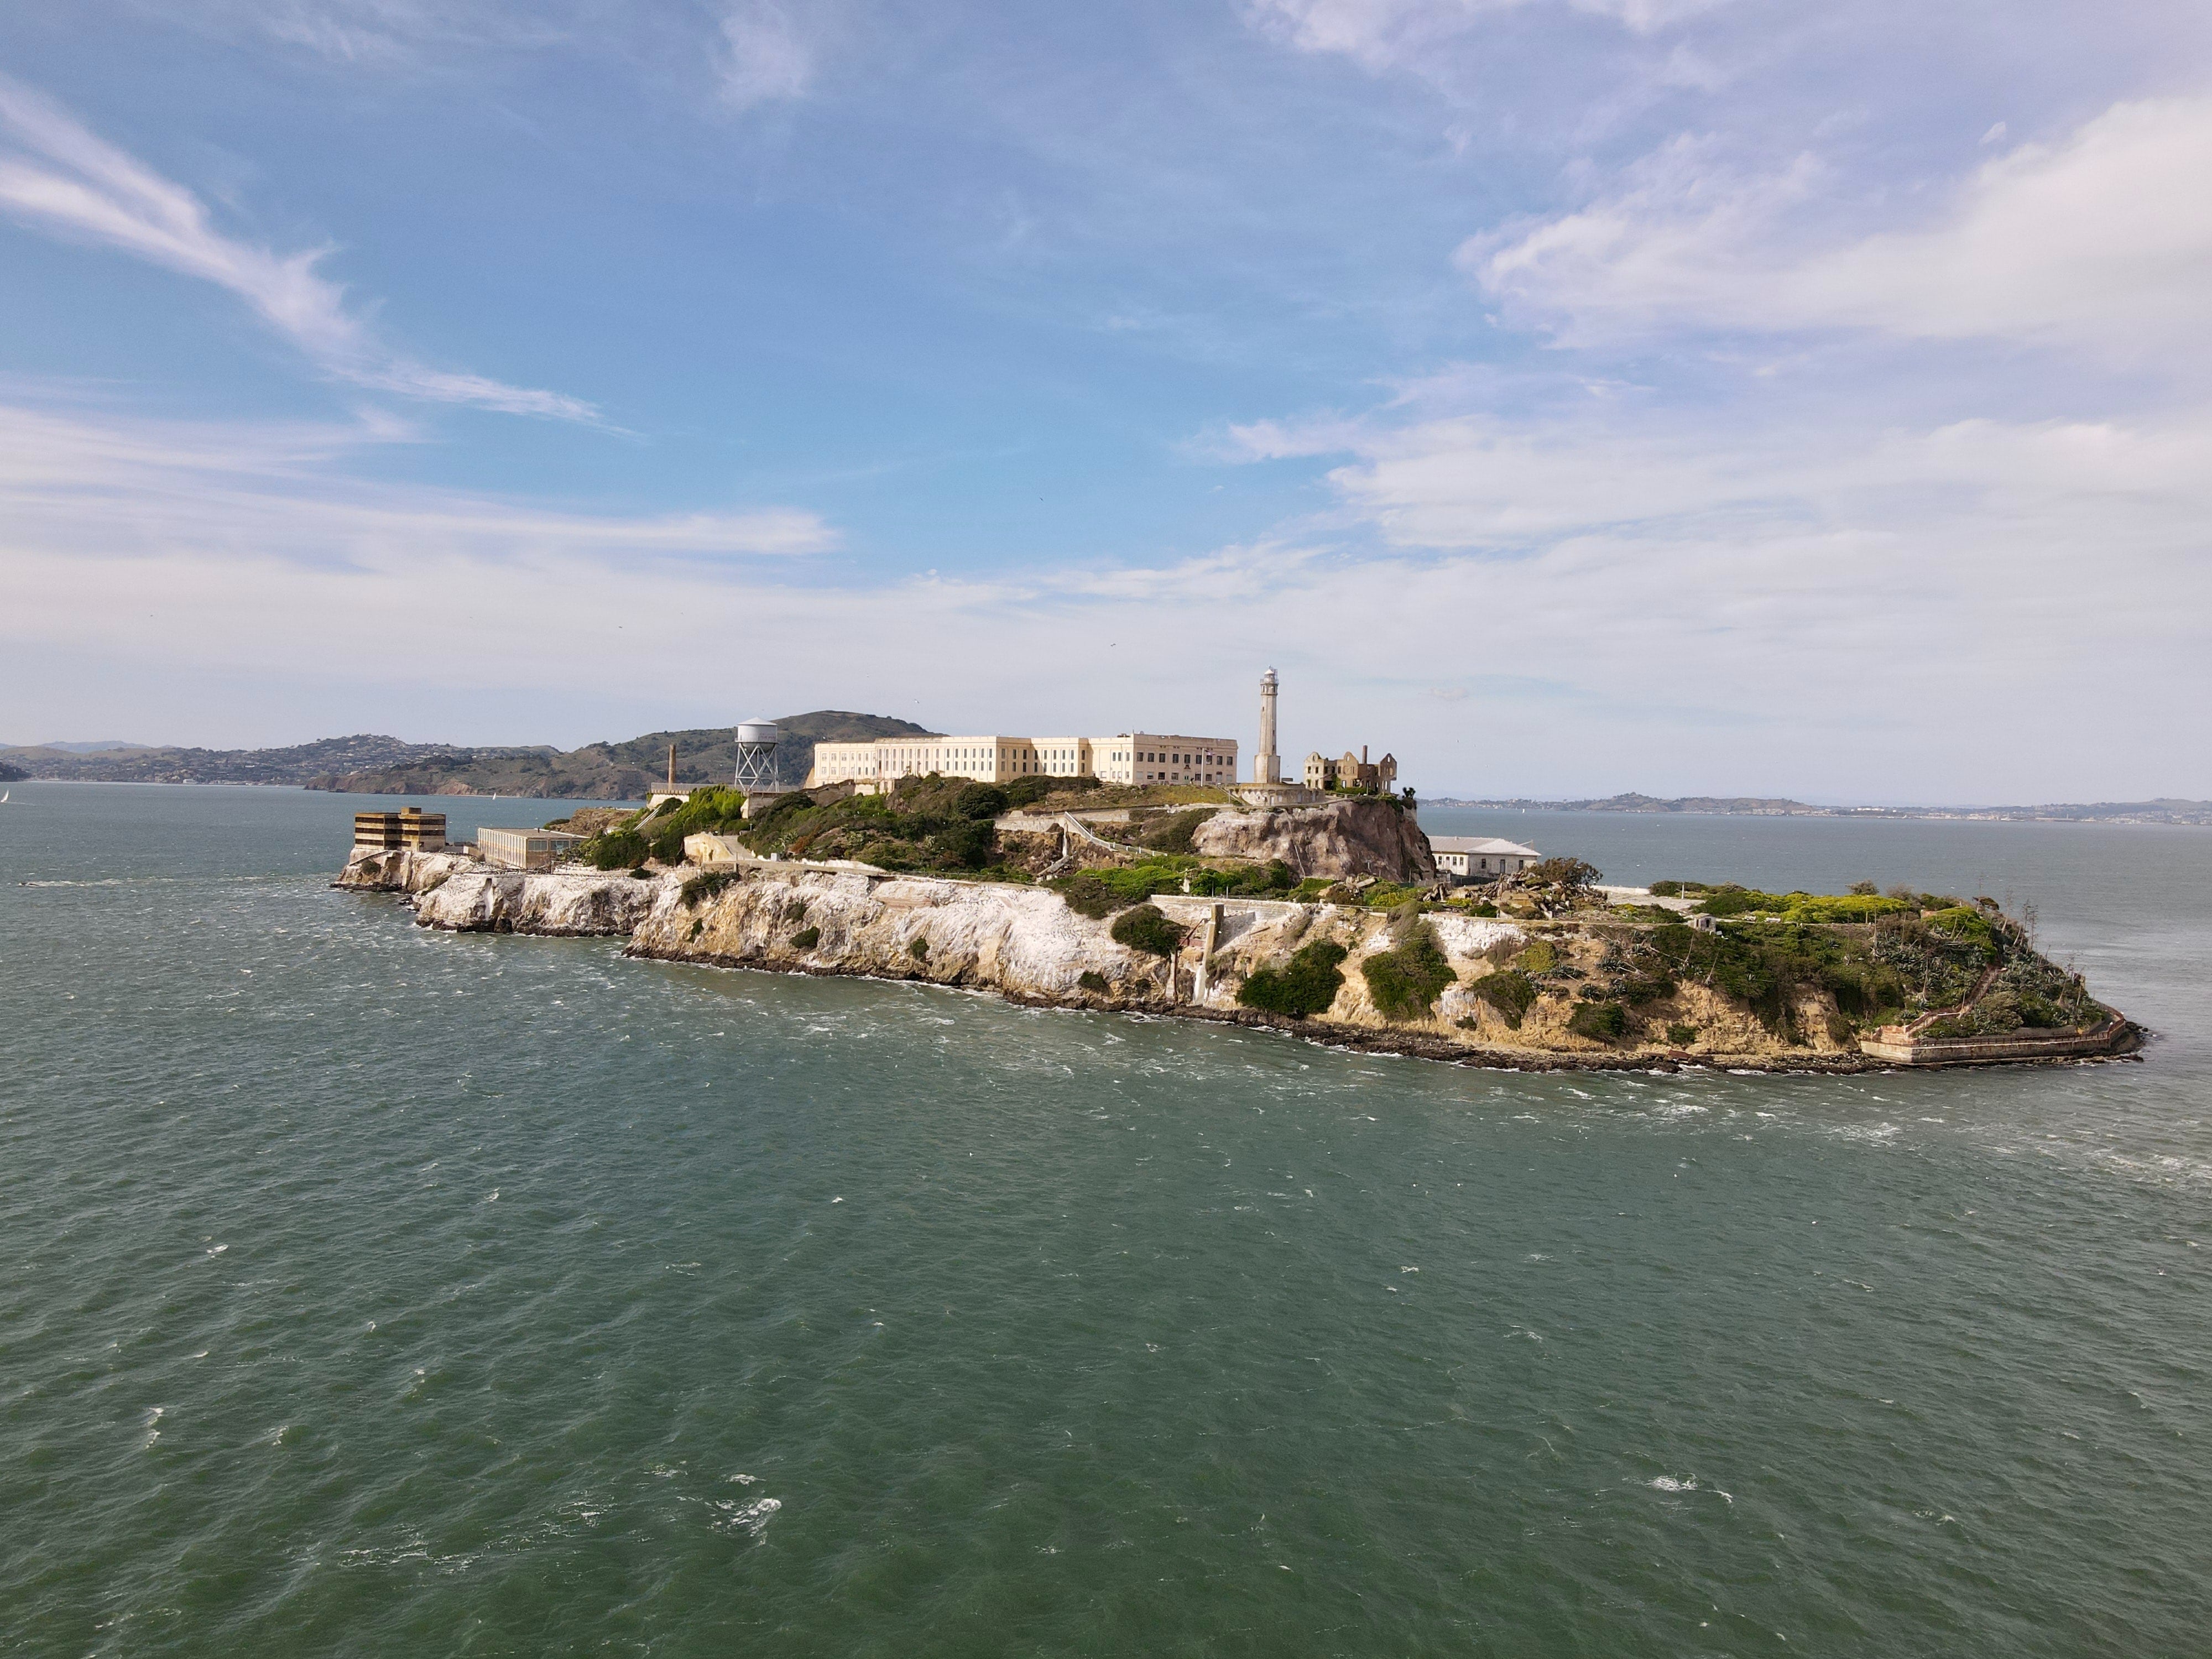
(370, 1291)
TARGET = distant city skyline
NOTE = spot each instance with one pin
(1673, 395)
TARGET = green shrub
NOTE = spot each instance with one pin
(1126, 886)
(1173, 833)
(1512, 993)
(918, 949)
(1390, 895)
(1405, 981)
(704, 886)
(1540, 958)
(1601, 1022)
(1637, 989)
(1092, 981)
(806, 938)
(640, 874)
(979, 802)
(965, 844)
(1800, 906)
(1088, 895)
(1482, 907)
(1681, 1036)
(1571, 873)
(1305, 987)
(1274, 877)
(1968, 925)
(1666, 890)
(1027, 792)
(1146, 928)
(614, 849)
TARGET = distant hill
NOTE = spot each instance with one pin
(373, 765)
(1761, 806)
(2163, 810)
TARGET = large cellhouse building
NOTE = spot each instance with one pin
(1137, 757)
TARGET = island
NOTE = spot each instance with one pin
(1328, 921)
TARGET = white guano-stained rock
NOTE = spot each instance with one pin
(559, 902)
(402, 869)
(1021, 941)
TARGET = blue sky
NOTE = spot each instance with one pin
(1672, 394)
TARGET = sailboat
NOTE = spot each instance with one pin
(3, 797)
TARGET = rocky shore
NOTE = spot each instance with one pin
(1027, 944)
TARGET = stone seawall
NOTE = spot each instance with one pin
(2116, 1036)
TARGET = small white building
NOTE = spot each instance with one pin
(1478, 858)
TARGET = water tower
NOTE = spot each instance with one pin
(756, 766)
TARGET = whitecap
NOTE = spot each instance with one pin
(752, 1518)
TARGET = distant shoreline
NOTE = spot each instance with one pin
(2189, 813)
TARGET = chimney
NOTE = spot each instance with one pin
(1363, 754)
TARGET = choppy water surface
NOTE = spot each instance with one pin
(371, 1291)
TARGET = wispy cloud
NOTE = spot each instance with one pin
(1478, 482)
(2100, 241)
(1608, 605)
(73, 480)
(1399, 34)
(765, 57)
(61, 178)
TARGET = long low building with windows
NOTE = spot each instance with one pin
(1135, 757)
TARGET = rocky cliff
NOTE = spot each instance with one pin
(402, 869)
(1344, 838)
(453, 891)
(1026, 943)
(558, 901)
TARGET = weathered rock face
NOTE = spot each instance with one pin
(1022, 940)
(1344, 838)
(1026, 943)
(402, 869)
(479, 900)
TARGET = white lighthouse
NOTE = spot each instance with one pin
(1267, 765)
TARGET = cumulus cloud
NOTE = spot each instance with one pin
(2100, 241)
(1612, 612)
(61, 178)
(1798, 576)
